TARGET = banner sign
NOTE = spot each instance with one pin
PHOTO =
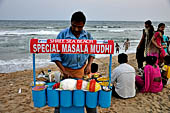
(71, 46)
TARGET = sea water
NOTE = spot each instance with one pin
(15, 36)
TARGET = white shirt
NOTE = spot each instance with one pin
(124, 76)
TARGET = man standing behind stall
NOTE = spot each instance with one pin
(74, 65)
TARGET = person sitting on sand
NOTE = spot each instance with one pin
(126, 44)
(124, 78)
(166, 71)
(151, 80)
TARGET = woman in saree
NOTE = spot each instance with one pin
(156, 48)
(151, 80)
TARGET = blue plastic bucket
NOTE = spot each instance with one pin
(39, 98)
(91, 99)
(72, 109)
(52, 97)
(78, 98)
(66, 98)
(50, 84)
(105, 98)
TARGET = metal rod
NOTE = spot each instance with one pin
(110, 69)
(34, 73)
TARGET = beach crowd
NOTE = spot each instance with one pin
(152, 57)
(153, 65)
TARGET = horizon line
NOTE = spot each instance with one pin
(86, 21)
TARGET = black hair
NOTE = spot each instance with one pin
(151, 60)
(151, 28)
(160, 25)
(78, 17)
(94, 67)
(167, 59)
(148, 22)
(122, 58)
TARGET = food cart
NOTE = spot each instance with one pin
(71, 101)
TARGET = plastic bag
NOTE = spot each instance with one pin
(68, 84)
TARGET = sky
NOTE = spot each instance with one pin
(108, 10)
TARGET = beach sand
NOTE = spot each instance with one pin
(13, 102)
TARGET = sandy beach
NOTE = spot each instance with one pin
(13, 102)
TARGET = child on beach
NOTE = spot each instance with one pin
(117, 48)
(94, 71)
(166, 71)
(126, 44)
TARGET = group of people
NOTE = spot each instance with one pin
(156, 71)
(125, 81)
(123, 76)
(154, 43)
(126, 45)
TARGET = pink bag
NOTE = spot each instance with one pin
(162, 53)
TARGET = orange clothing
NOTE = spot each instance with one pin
(76, 73)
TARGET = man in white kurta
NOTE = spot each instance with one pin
(124, 78)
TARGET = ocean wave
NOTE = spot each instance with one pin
(106, 26)
(6, 44)
(22, 27)
(116, 30)
(125, 29)
(31, 27)
(21, 64)
(26, 64)
(134, 41)
(113, 29)
(49, 27)
(41, 32)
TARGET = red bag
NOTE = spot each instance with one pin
(92, 85)
(57, 85)
(79, 84)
